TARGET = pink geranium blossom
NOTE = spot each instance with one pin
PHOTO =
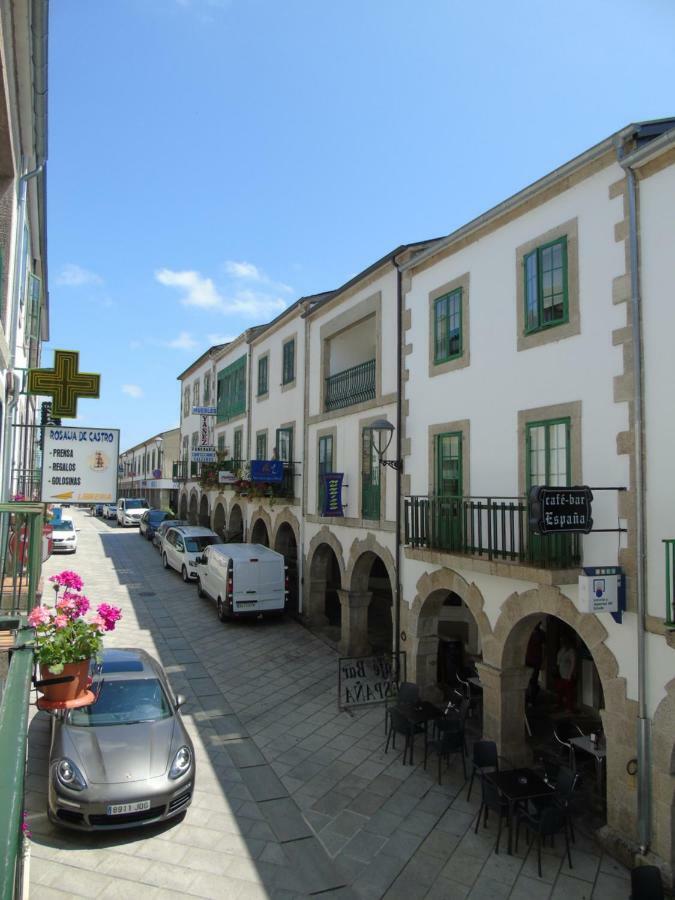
(99, 623)
(61, 621)
(39, 616)
(68, 579)
(110, 615)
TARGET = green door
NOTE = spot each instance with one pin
(548, 463)
(370, 478)
(449, 490)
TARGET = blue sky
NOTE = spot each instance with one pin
(210, 161)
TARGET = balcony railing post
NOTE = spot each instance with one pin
(670, 584)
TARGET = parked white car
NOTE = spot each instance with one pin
(130, 510)
(64, 535)
(243, 579)
(182, 545)
(110, 511)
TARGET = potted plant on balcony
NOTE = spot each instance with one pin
(68, 636)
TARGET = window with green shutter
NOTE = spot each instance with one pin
(448, 326)
(370, 477)
(548, 453)
(545, 280)
(236, 448)
(221, 443)
(232, 391)
(325, 465)
(262, 376)
(261, 445)
(284, 445)
(288, 370)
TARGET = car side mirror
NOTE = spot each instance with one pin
(201, 559)
(78, 529)
(181, 700)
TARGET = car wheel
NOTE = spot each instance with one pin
(165, 561)
(148, 535)
(221, 610)
(184, 575)
(200, 589)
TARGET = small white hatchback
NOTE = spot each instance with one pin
(181, 546)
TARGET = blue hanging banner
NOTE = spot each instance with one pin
(267, 470)
(332, 494)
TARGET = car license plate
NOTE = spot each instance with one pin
(120, 808)
(246, 603)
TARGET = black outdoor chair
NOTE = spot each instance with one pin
(408, 694)
(454, 715)
(492, 800)
(550, 822)
(645, 883)
(562, 732)
(448, 743)
(485, 759)
(565, 782)
(398, 724)
(473, 694)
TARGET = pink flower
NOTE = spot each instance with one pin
(110, 615)
(78, 603)
(68, 579)
(99, 623)
(39, 616)
(61, 621)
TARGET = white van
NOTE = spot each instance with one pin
(130, 510)
(243, 579)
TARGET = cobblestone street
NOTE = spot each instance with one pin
(293, 797)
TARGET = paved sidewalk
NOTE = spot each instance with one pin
(293, 797)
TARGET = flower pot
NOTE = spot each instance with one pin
(67, 690)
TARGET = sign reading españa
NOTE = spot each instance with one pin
(64, 383)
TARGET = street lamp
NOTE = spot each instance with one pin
(382, 432)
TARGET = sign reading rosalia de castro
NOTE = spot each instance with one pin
(363, 680)
(79, 464)
(554, 510)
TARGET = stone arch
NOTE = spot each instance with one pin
(204, 515)
(505, 676)
(219, 519)
(368, 613)
(421, 628)
(318, 568)
(663, 778)
(183, 506)
(358, 568)
(285, 540)
(260, 515)
(193, 507)
(235, 524)
(260, 533)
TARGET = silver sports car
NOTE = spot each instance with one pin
(127, 759)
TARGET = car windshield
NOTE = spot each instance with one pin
(137, 504)
(64, 525)
(124, 702)
(195, 544)
(157, 515)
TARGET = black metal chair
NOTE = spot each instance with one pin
(398, 724)
(448, 743)
(485, 759)
(492, 800)
(562, 732)
(646, 884)
(565, 782)
(550, 822)
(408, 693)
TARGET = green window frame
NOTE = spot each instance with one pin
(547, 449)
(449, 475)
(288, 366)
(261, 445)
(370, 477)
(546, 286)
(325, 458)
(236, 444)
(263, 386)
(221, 443)
(284, 444)
(207, 389)
(232, 391)
(448, 326)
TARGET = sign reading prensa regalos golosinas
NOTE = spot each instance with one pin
(79, 465)
(555, 510)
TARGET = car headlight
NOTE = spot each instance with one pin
(181, 763)
(69, 775)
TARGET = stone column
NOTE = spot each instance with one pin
(316, 603)
(423, 664)
(504, 710)
(354, 605)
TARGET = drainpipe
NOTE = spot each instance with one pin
(399, 467)
(19, 252)
(643, 748)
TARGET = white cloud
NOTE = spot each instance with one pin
(184, 341)
(198, 291)
(242, 270)
(72, 275)
(133, 390)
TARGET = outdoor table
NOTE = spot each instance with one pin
(475, 680)
(516, 786)
(420, 713)
(597, 751)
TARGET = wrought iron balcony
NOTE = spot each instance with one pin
(495, 528)
(184, 470)
(354, 385)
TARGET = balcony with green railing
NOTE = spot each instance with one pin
(351, 386)
(491, 528)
